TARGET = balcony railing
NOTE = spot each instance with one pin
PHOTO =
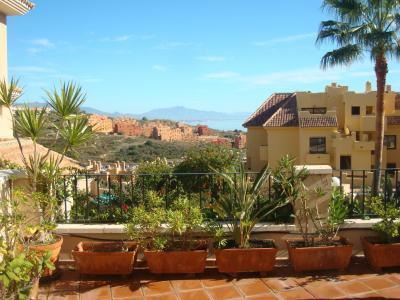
(105, 198)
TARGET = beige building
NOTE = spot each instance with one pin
(8, 8)
(335, 127)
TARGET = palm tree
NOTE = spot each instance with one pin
(360, 27)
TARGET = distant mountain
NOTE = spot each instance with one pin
(176, 113)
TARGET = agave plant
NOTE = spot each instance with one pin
(247, 203)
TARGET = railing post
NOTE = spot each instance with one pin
(363, 194)
(65, 200)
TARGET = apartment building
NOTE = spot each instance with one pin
(8, 8)
(335, 127)
(100, 123)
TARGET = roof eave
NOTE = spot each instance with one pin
(15, 7)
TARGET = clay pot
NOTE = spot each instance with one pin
(319, 257)
(245, 260)
(381, 255)
(54, 249)
(176, 262)
(104, 258)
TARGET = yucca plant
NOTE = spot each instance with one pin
(71, 130)
(246, 204)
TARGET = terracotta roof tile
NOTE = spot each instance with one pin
(393, 120)
(286, 115)
(267, 109)
(318, 121)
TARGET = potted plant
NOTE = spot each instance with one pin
(70, 130)
(20, 267)
(167, 235)
(243, 207)
(105, 258)
(320, 247)
(383, 250)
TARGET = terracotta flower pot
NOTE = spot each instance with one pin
(245, 260)
(381, 255)
(176, 262)
(104, 258)
(54, 249)
(319, 257)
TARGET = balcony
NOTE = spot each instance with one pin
(318, 159)
(367, 123)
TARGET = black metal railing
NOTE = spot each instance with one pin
(356, 185)
(102, 198)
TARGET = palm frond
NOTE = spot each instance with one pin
(30, 122)
(9, 92)
(76, 132)
(342, 56)
(66, 103)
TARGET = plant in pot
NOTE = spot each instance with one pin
(320, 247)
(168, 235)
(68, 129)
(242, 208)
(383, 250)
(20, 266)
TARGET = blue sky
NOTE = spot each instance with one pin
(134, 56)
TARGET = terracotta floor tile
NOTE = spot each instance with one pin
(126, 290)
(268, 296)
(295, 294)
(99, 293)
(65, 295)
(255, 288)
(378, 282)
(64, 285)
(162, 297)
(394, 277)
(247, 280)
(91, 284)
(156, 287)
(224, 293)
(194, 295)
(187, 284)
(325, 291)
(278, 285)
(391, 293)
(353, 287)
(211, 282)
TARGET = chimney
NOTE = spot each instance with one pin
(333, 84)
(368, 87)
(388, 88)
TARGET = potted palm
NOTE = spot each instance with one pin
(20, 267)
(168, 235)
(242, 208)
(383, 250)
(70, 130)
(320, 247)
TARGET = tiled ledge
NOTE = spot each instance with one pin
(262, 227)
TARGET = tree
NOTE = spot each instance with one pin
(364, 26)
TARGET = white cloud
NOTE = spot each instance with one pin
(160, 68)
(46, 43)
(285, 39)
(222, 75)
(174, 45)
(211, 58)
(118, 38)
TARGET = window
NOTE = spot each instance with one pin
(315, 110)
(369, 110)
(391, 167)
(317, 145)
(345, 162)
(390, 141)
(355, 110)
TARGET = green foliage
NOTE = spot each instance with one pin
(388, 227)
(157, 228)
(246, 205)
(20, 267)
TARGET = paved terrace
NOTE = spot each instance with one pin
(358, 282)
